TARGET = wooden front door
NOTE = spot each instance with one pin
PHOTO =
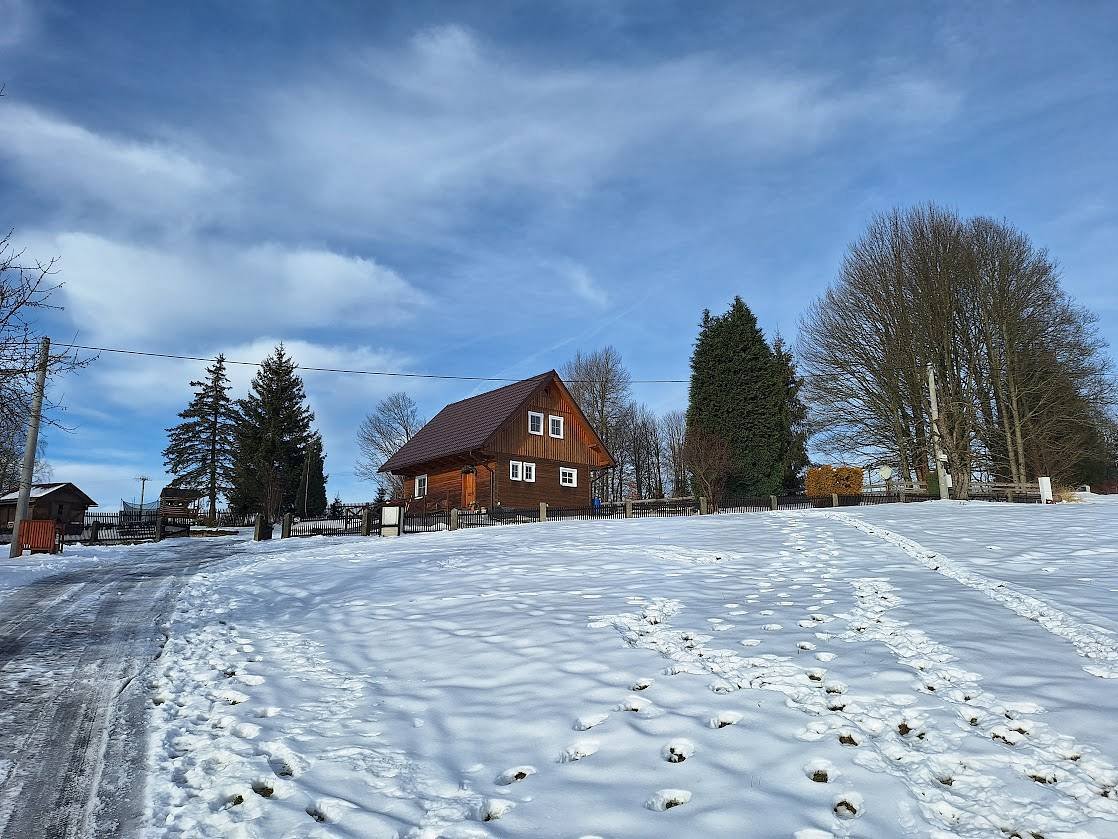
(469, 488)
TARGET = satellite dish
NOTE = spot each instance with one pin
(885, 472)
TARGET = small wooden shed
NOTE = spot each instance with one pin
(60, 502)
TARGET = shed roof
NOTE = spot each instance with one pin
(466, 425)
(40, 490)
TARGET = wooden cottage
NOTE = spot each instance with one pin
(60, 502)
(512, 447)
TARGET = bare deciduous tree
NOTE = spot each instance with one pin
(708, 460)
(673, 431)
(393, 422)
(599, 383)
(1023, 384)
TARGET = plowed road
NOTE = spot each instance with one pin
(74, 649)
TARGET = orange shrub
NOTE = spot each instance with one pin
(819, 481)
(824, 481)
(848, 480)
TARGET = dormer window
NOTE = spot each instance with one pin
(535, 423)
(555, 426)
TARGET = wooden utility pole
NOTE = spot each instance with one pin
(941, 473)
(28, 474)
(143, 479)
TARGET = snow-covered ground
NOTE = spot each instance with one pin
(937, 669)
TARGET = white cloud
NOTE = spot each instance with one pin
(405, 138)
(584, 286)
(136, 178)
(138, 295)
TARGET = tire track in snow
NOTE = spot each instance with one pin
(1090, 643)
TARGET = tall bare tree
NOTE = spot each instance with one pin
(393, 422)
(1023, 383)
(673, 432)
(708, 460)
(600, 383)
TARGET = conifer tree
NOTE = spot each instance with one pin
(199, 449)
(738, 395)
(793, 421)
(312, 495)
(274, 441)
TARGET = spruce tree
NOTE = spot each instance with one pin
(274, 441)
(738, 395)
(312, 495)
(199, 449)
(793, 421)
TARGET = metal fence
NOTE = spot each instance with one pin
(124, 528)
(602, 511)
(429, 522)
(348, 522)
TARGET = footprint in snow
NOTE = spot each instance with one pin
(492, 809)
(725, 718)
(589, 721)
(819, 770)
(678, 750)
(512, 776)
(772, 627)
(641, 684)
(578, 750)
(847, 805)
(666, 799)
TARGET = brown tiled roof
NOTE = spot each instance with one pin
(464, 426)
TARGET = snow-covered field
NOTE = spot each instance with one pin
(937, 669)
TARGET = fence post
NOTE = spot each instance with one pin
(901, 493)
(159, 528)
(453, 525)
(543, 511)
(366, 522)
(703, 505)
(834, 499)
(285, 526)
(628, 509)
(93, 528)
(259, 528)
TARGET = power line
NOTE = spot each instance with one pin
(391, 373)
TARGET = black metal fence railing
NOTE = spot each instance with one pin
(348, 522)
(665, 507)
(746, 504)
(124, 528)
(428, 522)
(602, 511)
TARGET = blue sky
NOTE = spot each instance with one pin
(485, 188)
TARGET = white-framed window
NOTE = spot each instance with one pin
(555, 426)
(420, 486)
(515, 470)
(530, 472)
(568, 477)
(535, 423)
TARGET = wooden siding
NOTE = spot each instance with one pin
(444, 488)
(545, 488)
(574, 448)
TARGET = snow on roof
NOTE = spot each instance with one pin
(39, 490)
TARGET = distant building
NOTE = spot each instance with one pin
(60, 502)
(512, 447)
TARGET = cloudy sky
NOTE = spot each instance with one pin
(483, 189)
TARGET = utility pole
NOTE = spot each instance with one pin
(28, 474)
(143, 479)
(939, 456)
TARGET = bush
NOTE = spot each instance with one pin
(820, 481)
(848, 480)
(1066, 495)
(825, 481)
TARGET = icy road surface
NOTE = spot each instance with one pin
(78, 635)
(928, 670)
